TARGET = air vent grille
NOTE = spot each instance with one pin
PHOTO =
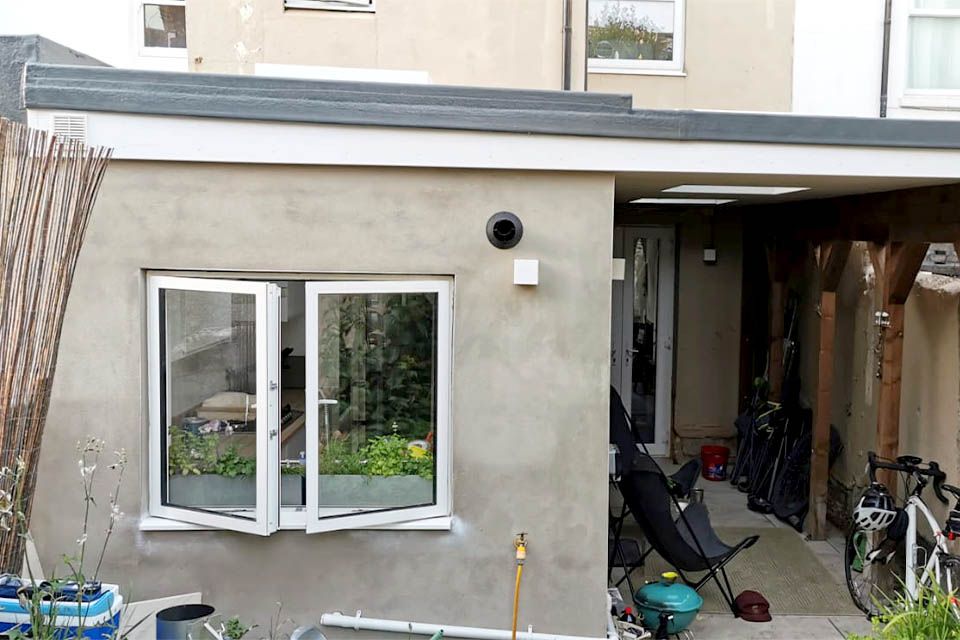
(70, 127)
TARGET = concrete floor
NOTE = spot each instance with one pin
(728, 508)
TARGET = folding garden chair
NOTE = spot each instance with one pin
(628, 553)
(688, 542)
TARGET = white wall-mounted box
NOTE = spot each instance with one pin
(526, 272)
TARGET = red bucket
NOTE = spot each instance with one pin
(714, 459)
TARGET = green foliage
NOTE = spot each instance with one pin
(293, 470)
(933, 616)
(190, 453)
(337, 459)
(232, 464)
(382, 456)
(386, 354)
(197, 454)
(389, 456)
(618, 33)
(234, 629)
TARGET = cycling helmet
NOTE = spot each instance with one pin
(875, 510)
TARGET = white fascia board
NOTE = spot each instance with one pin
(193, 139)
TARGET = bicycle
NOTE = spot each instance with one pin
(868, 553)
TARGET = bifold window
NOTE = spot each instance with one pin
(316, 405)
(342, 5)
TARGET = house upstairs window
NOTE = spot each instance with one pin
(933, 56)
(635, 36)
(164, 27)
(336, 5)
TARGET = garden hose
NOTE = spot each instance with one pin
(521, 546)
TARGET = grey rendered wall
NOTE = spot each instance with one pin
(529, 399)
(708, 324)
(14, 51)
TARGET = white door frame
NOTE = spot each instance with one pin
(621, 363)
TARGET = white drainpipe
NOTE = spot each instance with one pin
(358, 622)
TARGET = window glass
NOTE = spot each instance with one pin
(631, 29)
(934, 49)
(937, 4)
(209, 378)
(164, 26)
(377, 381)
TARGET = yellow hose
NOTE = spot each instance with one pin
(516, 600)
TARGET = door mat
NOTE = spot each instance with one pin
(780, 566)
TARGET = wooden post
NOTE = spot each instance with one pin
(901, 262)
(832, 259)
(776, 339)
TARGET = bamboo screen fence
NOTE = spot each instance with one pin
(47, 190)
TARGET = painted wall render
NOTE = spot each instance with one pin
(530, 380)
(739, 55)
(495, 43)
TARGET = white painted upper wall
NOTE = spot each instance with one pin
(838, 56)
(109, 30)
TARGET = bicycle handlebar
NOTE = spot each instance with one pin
(932, 471)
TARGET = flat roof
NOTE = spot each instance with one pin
(245, 97)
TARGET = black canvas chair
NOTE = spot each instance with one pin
(687, 542)
(628, 553)
(621, 434)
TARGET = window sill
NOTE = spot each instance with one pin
(319, 6)
(931, 101)
(163, 52)
(627, 71)
(445, 523)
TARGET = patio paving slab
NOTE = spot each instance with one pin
(711, 626)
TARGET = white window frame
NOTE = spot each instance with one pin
(321, 520)
(270, 515)
(368, 6)
(904, 11)
(267, 300)
(649, 67)
(156, 52)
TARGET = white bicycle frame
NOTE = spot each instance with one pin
(932, 567)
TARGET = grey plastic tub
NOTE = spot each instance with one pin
(175, 623)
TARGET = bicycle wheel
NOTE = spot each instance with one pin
(868, 581)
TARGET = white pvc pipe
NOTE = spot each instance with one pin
(358, 622)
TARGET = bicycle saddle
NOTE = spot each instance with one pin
(909, 460)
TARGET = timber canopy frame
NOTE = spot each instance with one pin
(899, 227)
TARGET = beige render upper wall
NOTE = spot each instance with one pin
(739, 56)
(494, 43)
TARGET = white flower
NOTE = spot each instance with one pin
(6, 502)
(81, 540)
(86, 472)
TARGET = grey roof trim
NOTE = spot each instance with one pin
(442, 107)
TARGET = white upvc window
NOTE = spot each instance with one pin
(299, 404)
(932, 60)
(161, 28)
(635, 36)
(334, 5)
